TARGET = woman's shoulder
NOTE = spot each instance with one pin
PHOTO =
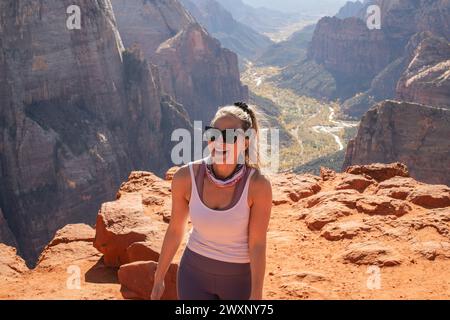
(183, 173)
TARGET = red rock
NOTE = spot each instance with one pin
(137, 280)
(386, 135)
(327, 174)
(371, 253)
(344, 230)
(171, 172)
(122, 223)
(11, 265)
(379, 205)
(72, 233)
(71, 245)
(356, 182)
(290, 188)
(433, 249)
(321, 215)
(143, 251)
(430, 196)
(426, 79)
(380, 172)
(397, 187)
(345, 197)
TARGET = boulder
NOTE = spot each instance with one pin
(371, 253)
(137, 280)
(321, 215)
(344, 230)
(346, 197)
(433, 249)
(380, 172)
(121, 223)
(355, 182)
(430, 196)
(71, 245)
(380, 205)
(291, 188)
(143, 251)
(73, 233)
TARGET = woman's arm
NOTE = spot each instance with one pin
(259, 222)
(175, 231)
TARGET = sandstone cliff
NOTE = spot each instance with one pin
(426, 80)
(77, 115)
(414, 134)
(232, 34)
(371, 232)
(194, 68)
(351, 52)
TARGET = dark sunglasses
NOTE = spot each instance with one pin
(229, 136)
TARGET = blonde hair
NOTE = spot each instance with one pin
(250, 120)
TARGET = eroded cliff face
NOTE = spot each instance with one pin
(368, 64)
(426, 80)
(77, 115)
(351, 52)
(238, 36)
(414, 134)
(194, 68)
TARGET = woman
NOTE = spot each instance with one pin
(229, 201)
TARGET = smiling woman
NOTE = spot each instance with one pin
(229, 202)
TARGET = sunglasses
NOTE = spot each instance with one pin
(229, 136)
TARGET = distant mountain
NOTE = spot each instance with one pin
(351, 9)
(293, 49)
(232, 34)
(322, 7)
(261, 19)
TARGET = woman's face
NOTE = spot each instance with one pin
(228, 153)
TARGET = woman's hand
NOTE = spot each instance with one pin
(158, 290)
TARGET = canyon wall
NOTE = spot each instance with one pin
(367, 66)
(414, 134)
(77, 115)
(194, 67)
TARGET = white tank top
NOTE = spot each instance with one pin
(219, 234)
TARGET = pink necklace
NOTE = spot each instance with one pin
(231, 180)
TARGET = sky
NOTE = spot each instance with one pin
(305, 6)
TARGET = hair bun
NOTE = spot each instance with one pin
(242, 105)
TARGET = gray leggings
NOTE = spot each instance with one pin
(203, 278)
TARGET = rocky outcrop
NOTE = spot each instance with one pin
(335, 239)
(122, 223)
(410, 133)
(350, 9)
(77, 115)
(11, 265)
(427, 78)
(194, 68)
(232, 34)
